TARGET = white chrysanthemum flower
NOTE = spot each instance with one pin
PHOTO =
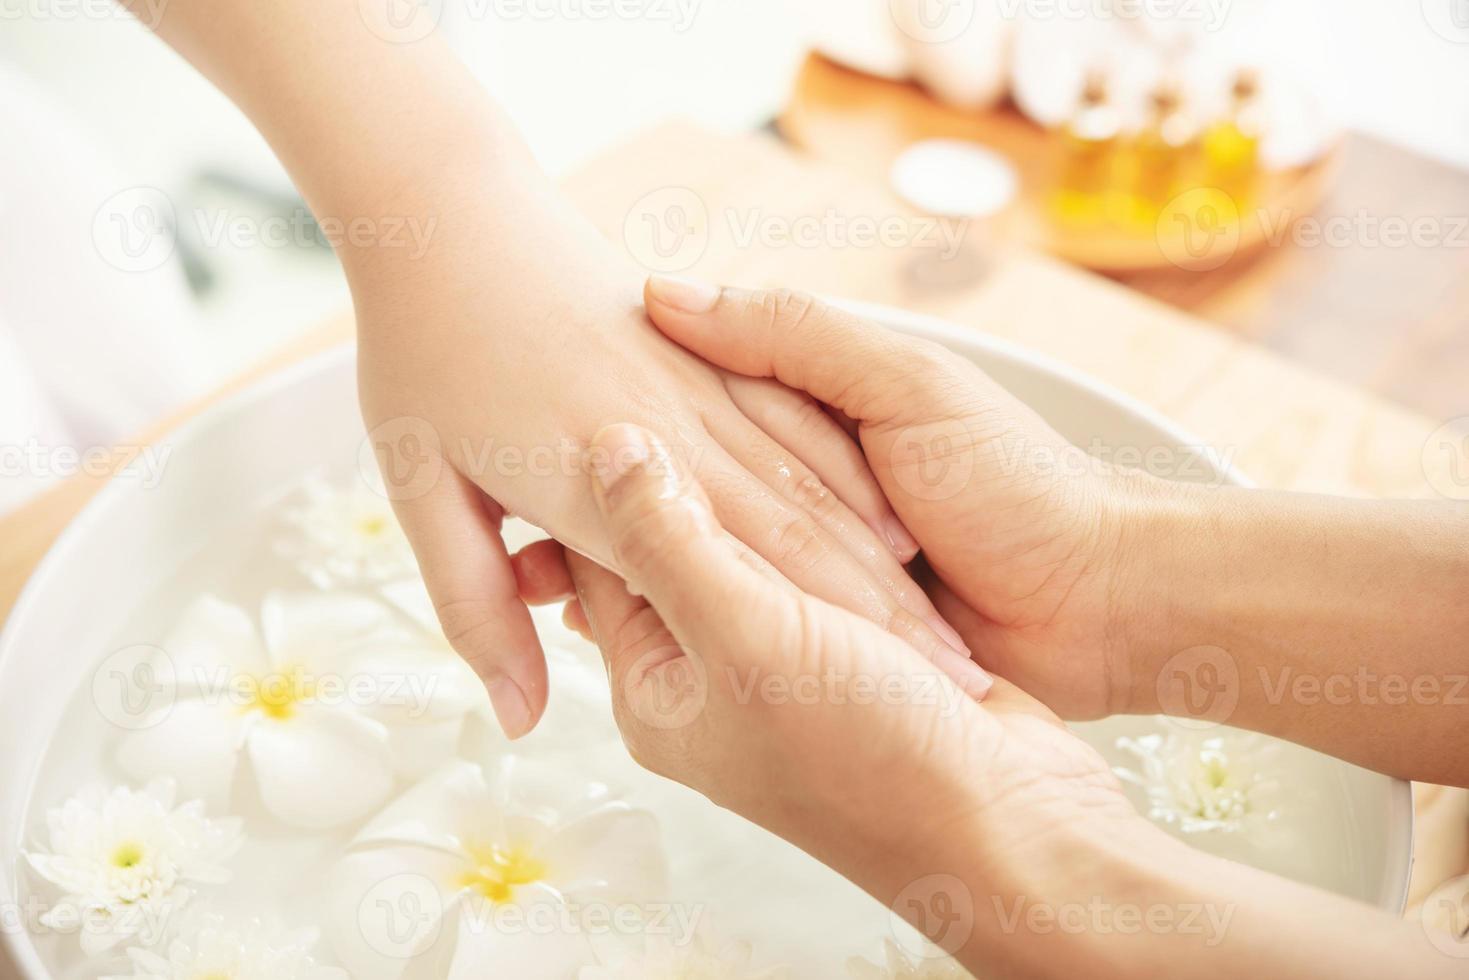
(697, 957)
(897, 966)
(126, 859)
(347, 536)
(211, 948)
(328, 699)
(1224, 782)
(476, 874)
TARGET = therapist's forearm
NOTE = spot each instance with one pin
(1140, 904)
(1339, 624)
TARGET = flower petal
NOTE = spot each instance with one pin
(412, 599)
(386, 905)
(213, 643)
(538, 938)
(196, 743)
(614, 853)
(550, 794)
(309, 629)
(321, 767)
(448, 805)
(411, 684)
(418, 750)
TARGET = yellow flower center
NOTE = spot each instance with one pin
(128, 854)
(1216, 771)
(496, 872)
(276, 695)
(372, 524)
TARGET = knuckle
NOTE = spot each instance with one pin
(786, 310)
(469, 626)
(646, 537)
(811, 421)
(642, 631)
(930, 361)
(800, 545)
(913, 631)
(814, 497)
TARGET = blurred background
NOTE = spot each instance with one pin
(1083, 125)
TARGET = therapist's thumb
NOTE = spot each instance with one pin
(668, 545)
(869, 372)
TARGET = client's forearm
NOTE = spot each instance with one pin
(378, 134)
(1339, 624)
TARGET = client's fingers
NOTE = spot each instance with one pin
(799, 423)
(541, 574)
(811, 536)
(801, 548)
(574, 618)
(454, 530)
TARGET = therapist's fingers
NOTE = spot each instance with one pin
(670, 548)
(455, 532)
(869, 373)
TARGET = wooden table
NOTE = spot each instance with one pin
(1392, 318)
(1287, 426)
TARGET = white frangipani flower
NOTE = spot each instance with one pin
(897, 966)
(476, 874)
(326, 701)
(696, 957)
(212, 948)
(1225, 782)
(347, 536)
(126, 860)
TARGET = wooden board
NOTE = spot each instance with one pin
(1285, 426)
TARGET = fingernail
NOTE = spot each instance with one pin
(972, 679)
(685, 295)
(904, 545)
(621, 449)
(949, 635)
(511, 708)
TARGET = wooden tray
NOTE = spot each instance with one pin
(864, 123)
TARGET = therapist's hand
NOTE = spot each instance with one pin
(1023, 529)
(805, 718)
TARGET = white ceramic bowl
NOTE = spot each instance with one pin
(252, 448)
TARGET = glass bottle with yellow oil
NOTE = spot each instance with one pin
(1083, 197)
(1162, 160)
(1232, 145)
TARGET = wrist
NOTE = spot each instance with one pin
(1069, 902)
(1158, 560)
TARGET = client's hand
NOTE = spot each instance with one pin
(807, 719)
(1022, 528)
(482, 390)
